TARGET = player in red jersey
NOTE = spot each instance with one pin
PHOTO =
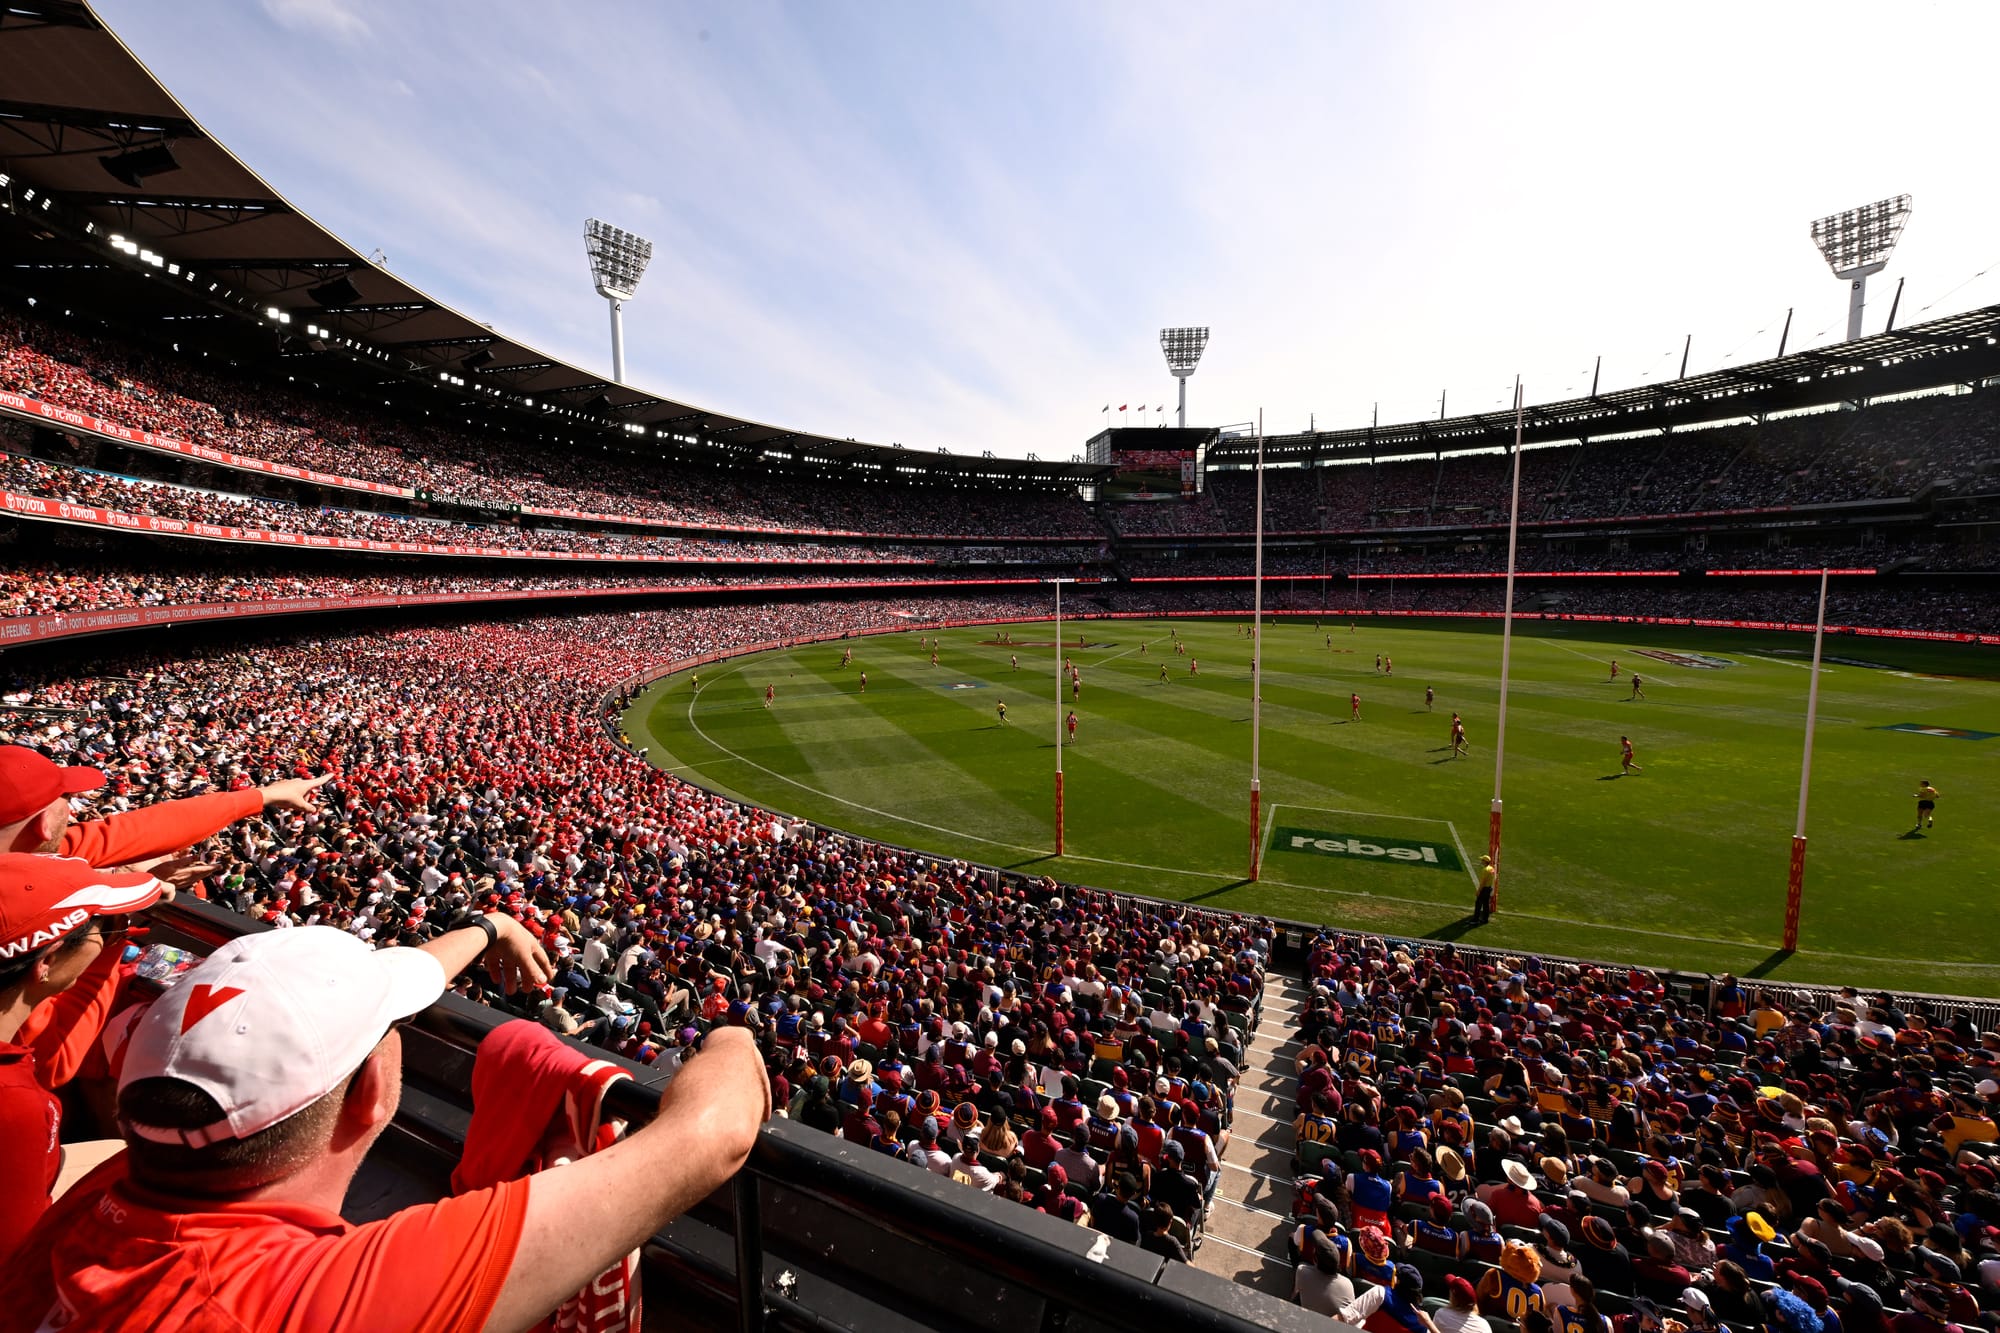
(770, 694)
(1194, 666)
(1614, 668)
(933, 657)
(1459, 748)
(1388, 665)
(1353, 708)
(1072, 724)
(1625, 756)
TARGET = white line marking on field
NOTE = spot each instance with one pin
(1463, 859)
(1779, 661)
(868, 809)
(1366, 814)
(1589, 657)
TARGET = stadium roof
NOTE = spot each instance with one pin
(1957, 349)
(107, 151)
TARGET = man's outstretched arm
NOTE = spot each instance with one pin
(583, 1217)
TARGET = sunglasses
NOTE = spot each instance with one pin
(111, 928)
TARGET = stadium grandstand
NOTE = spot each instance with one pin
(272, 514)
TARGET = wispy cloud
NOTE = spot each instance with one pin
(321, 18)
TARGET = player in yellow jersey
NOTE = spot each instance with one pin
(1926, 805)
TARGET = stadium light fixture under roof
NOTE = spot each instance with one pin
(1183, 348)
(618, 260)
(1857, 243)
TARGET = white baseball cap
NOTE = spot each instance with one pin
(270, 1023)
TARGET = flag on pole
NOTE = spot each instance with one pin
(1107, 407)
(1121, 407)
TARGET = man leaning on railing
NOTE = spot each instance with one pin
(250, 1094)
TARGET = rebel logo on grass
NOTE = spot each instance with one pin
(1355, 846)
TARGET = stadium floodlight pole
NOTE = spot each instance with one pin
(1857, 244)
(1506, 652)
(1795, 889)
(1257, 661)
(618, 260)
(1183, 348)
(1059, 714)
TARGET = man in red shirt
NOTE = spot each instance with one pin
(57, 915)
(35, 818)
(249, 1096)
(35, 814)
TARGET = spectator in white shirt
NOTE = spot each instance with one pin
(1461, 1311)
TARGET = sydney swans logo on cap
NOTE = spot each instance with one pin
(48, 934)
(203, 1000)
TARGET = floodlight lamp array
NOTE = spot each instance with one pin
(1183, 348)
(618, 259)
(1861, 238)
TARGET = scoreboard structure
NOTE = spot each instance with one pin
(1150, 463)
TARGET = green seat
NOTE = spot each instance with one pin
(1311, 1154)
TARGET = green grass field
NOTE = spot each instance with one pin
(1682, 864)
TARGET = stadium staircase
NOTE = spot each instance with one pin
(1250, 1215)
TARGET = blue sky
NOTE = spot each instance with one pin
(962, 225)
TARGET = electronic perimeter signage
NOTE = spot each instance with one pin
(1150, 463)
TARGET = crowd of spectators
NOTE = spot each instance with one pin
(59, 481)
(1065, 1049)
(92, 370)
(1915, 552)
(43, 586)
(1532, 1146)
(1888, 451)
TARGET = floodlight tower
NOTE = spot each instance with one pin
(1857, 244)
(1183, 349)
(617, 261)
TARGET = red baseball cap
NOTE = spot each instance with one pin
(29, 781)
(44, 898)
